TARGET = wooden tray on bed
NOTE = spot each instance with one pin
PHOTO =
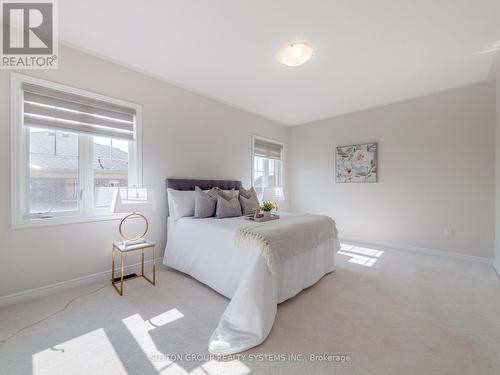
(262, 218)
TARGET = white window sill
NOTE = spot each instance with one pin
(64, 220)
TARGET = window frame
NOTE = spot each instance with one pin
(19, 153)
(282, 174)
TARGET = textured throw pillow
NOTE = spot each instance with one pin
(204, 204)
(248, 200)
(227, 207)
(248, 205)
(227, 194)
(250, 193)
(180, 203)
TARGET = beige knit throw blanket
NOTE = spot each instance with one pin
(287, 236)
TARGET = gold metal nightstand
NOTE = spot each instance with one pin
(122, 249)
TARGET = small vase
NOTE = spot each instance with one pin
(266, 213)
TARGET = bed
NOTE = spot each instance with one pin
(205, 249)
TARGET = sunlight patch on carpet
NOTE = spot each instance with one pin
(92, 351)
(363, 256)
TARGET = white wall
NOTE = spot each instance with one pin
(436, 171)
(497, 169)
(185, 135)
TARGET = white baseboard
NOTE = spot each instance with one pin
(383, 245)
(104, 275)
(496, 266)
(51, 288)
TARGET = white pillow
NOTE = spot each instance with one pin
(180, 203)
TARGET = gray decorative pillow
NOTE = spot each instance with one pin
(250, 193)
(248, 205)
(227, 207)
(248, 200)
(227, 194)
(204, 202)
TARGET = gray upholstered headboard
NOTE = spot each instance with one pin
(189, 184)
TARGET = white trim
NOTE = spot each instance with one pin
(18, 158)
(383, 245)
(16, 141)
(66, 220)
(496, 267)
(16, 77)
(85, 156)
(57, 287)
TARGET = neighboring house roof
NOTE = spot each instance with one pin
(43, 151)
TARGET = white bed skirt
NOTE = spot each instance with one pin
(241, 274)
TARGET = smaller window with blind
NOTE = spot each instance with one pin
(75, 148)
(267, 171)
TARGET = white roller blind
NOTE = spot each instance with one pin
(267, 149)
(44, 107)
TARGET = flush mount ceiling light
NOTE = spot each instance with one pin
(295, 54)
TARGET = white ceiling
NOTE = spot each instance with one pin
(367, 53)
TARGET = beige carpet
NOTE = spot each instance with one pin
(391, 312)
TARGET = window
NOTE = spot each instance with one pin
(110, 168)
(53, 171)
(267, 171)
(71, 149)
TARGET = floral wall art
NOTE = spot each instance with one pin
(357, 163)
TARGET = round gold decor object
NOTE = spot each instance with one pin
(130, 216)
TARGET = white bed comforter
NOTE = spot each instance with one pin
(205, 249)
